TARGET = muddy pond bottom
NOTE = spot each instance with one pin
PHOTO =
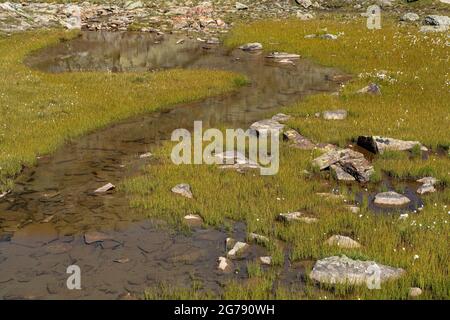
(44, 219)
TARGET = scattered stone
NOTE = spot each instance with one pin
(181, 41)
(354, 209)
(286, 61)
(414, 292)
(298, 141)
(283, 55)
(403, 216)
(377, 144)
(342, 242)
(122, 260)
(304, 3)
(335, 114)
(241, 6)
(427, 29)
(107, 187)
(343, 270)
(237, 249)
(266, 260)
(410, 17)
(436, 20)
(339, 78)
(391, 198)
(183, 189)
(225, 264)
(340, 174)
(48, 219)
(263, 127)
(372, 88)
(229, 243)
(213, 41)
(350, 161)
(428, 180)
(145, 155)
(4, 194)
(251, 46)
(329, 36)
(426, 188)
(193, 220)
(296, 216)
(95, 236)
(281, 117)
(58, 248)
(131, 5)
(328, 195)
(304, 16)
(258, 237)
(35, 235)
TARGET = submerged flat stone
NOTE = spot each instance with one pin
(391, 198)
(95, 236)
(35, 235)
(183, 189)
(343, 270)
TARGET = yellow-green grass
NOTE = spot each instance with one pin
(40, 111)
(221, 195)
(414, 107)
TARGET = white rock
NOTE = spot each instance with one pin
(257, 237)
(241, 6)
(410, 16)
(426, 188)
(225, 264)
(266, 260)
(265, 126)
(183, 189)
(283, 55)
(339, 114)
(296, 216)
(428, 180)
(391, 198)
(238, 248)
(105, 188)
(145, 155)
(415, 292)
(253, 46)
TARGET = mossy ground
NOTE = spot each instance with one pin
(39, 111)
(412, 106)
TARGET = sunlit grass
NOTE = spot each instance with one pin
(39, 111)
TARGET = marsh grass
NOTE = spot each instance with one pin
(414, 106)
(41, 111)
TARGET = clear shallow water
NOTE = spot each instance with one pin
(62, 184)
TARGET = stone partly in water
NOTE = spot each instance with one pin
(298, 141)
(391, 198)
(35, 235)
(193, 220)
(107, 187)
(258, 238)
(183, 189)
(263, 127)
(340, 174)
(283, 55)
(95, 236)
(350, 161)
(426, 188)
(343, 242)
(253, 46)
(296, 216)
(428, 180)
(225, 264)
(335, 114)
(377, 144)
(343, 270)
(238, 249)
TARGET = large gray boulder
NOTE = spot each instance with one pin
(378, 144)
(265, 126)
(343, 270)
(391, 198)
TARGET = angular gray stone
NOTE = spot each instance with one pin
(426, 188)
(107, 187)
(258, 237)
(343, 270)
(378, 144)
(193, 220)
(266, 126)
(437, 20)
(252, 46)
(241, 6)
(391, 198)
(372, 88)
(281, 117)
(335, 114)
(296, 216)
(298, 141)
(428, 180)
(340, 174)
(410, 17)
(183, 189)
(266, 260)
(238, 248)
(224, 264)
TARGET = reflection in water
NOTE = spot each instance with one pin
(60, 186)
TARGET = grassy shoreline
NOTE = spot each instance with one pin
(415, 61)
(40, 111)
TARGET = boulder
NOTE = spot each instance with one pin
(298, 141)
(391, 198)
(436, 20)
(414, 292)
(132, 5)
(342, 242)
(340, 174)
(428, 180)
(183, 189)
(377, 144)
(335, 114)
(426, 188)
(343, 270)
(253, 46)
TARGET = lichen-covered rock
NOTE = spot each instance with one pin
(343, 270)
(343, 242)
(298, 141)
(391, 198)
(378, 144)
